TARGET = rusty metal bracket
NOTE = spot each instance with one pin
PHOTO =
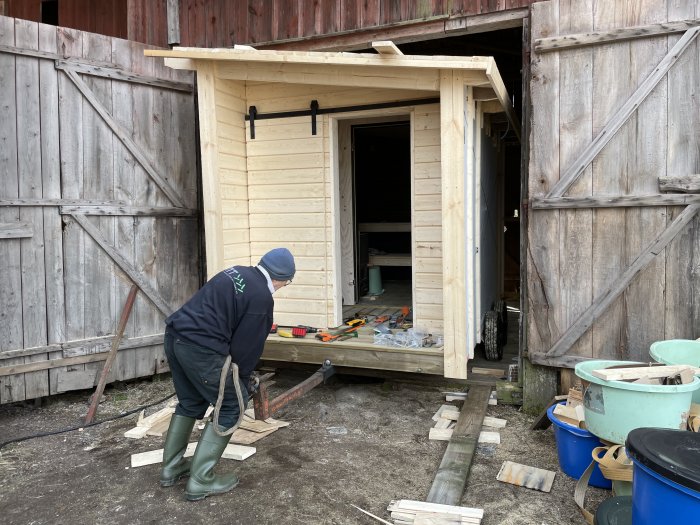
(265, 407)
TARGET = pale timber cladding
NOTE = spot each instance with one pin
(282, 188)
(614, 250)
(98, 189)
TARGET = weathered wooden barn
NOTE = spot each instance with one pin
(598, 202)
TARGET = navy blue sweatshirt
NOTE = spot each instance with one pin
(231, 314)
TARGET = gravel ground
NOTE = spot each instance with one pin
(356, 440)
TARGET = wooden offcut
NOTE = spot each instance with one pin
(650, 372)
(386, 47)
(237, 452)
(431, 507)
(452, 473)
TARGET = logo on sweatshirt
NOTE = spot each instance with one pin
(237, 278)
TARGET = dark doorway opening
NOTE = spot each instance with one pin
(49, 12)
(382, 201)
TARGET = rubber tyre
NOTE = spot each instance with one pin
(492, 348)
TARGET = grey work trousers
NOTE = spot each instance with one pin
(196, 372)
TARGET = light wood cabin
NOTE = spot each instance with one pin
(274, 178)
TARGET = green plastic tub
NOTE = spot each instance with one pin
(614, 408)
(678, 352)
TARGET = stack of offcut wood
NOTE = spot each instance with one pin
(409, 512)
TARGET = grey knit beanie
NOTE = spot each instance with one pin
(279, 263)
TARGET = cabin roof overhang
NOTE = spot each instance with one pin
(369, 70)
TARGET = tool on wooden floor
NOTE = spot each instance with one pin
(343, 331)
(265, 407)
(328, 337)
(299, 330)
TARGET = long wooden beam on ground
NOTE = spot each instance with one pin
(452, 474)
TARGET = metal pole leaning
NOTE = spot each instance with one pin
(126, 311)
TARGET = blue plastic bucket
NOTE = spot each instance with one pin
(574, 449)
(666, 485)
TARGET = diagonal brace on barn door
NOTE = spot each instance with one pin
(585, 320)
(125, 265)
(123, 135)
(622, 115)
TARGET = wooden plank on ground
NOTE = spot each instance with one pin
(452, 473)
(445, 434)
(494, 422)
(160, 427)
(443, 409)
(156, 417)
(426, 506)
(246, 437)
(495, 372)
(237, 452)
(526, 476)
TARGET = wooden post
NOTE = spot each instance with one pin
(112, 354)
(173, 10)
(539, 386)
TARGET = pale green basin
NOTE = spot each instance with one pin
(614, 408)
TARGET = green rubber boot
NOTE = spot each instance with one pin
(175, 466)
(203, 482)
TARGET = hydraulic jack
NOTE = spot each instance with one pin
(265, 407)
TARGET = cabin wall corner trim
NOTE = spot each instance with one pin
(457, 124)
(206, 93)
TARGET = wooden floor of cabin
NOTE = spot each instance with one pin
(362, 352)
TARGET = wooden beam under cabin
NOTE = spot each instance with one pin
(451, 478)
(355, 354)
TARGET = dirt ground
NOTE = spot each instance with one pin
(355, 440)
